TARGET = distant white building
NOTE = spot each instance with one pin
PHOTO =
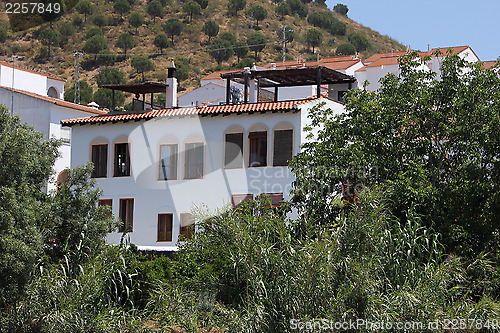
(37, 99)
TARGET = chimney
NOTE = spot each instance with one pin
(252, 87)
(171, 93)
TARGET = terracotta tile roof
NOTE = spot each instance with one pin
(6, 64)
(378, 56)
(191, 111)
(216, 75)
(335, 63)
(57, 101)
(490, 64)
(444, 50)
(384, 62)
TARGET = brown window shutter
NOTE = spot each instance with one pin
(283, 147)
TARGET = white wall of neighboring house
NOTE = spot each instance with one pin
(152, 196)
(45, 116)
(29, 81)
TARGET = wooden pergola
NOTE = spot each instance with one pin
(137, 89)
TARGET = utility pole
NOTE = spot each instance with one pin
(283, 49)
(77, 54)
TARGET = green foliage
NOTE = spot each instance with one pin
(136, 20)
(155, 9)
(85, 7)
(142, 65)
(96, 44)
(121, 7)
(326, 21)
(240, 50)
(50, 38)
(26, 166)
(359, 41)
(125, 42)
(86, 93)
(184, 69)
(161, 41)
(3, 35)
(100, 20)
(298, 8)
(313, 38)
(211, 29)
(191, 8)
(110, 75)
(203, 3)
(283, 9)
(258, 12)
(173, 27)
(433, 139)
(228, 36)
(66, 30)
(93, 31)
(234, 6)
(77, 20)
(345, 49)
(256, 42)
(221, 50)
(104, 97)
(341, 9)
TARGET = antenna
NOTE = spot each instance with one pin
(77, 54)
(284, 40)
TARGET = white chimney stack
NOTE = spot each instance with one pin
(171, 93)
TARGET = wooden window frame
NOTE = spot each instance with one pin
(117, 172)
(101, 167)
(251, 137)
(186, 231)
(127, 220)
(275, 146)
(165, 235)
(240, 199)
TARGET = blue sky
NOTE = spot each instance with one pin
(440, 23)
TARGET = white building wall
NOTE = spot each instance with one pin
(152, 196)
(27, 81)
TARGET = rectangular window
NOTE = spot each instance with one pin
(187, 225)
(122, 160)
(258, 149)
(168, 162)
(164, 228)
(341, 96)
(234, 151)
(100, 161)
(276, 198)
(107, 203)
(283, 147)
(126, 215)
(238, 199)
(194, 160)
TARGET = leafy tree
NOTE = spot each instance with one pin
(93, 31)
(359, 41)
(173, 27)
(66, 30)
(110, 75)
(104, 97)
(298, 8)
(256, 42)
(155, 10)
(345, 49)
(136, 20)
(77, 20)
(191, 8)
(184, 68)
(3, 35)
(337, 27)
(26, 165)
(121, 7)
(142, 65)
(305, 2)
(221, 50)
(203, 3)
(211, 29)
(106, 58)
(313, 38)
(259, 13)
(50, 38)
(100, 20)
(240, 49)
(95, 45)
(228, 36)
(86, 93)
(341, 9)
(125, 42)
(86, 8)
(427, 140)
(283, 9)
(234, 6)
(161, 41)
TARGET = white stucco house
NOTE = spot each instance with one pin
(37, 99)
(155, 166)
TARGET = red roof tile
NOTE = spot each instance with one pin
(335, 63)
(57, 101)
(6, 64)
(490, 64)
(190, 111)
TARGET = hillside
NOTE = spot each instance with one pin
(50, 47)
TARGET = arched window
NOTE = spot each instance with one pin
(62, 178)
(99, 157)
(257, 138)
(282, 144)
(52, 92)
(233, 147)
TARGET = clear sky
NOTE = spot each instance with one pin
(440, 23)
